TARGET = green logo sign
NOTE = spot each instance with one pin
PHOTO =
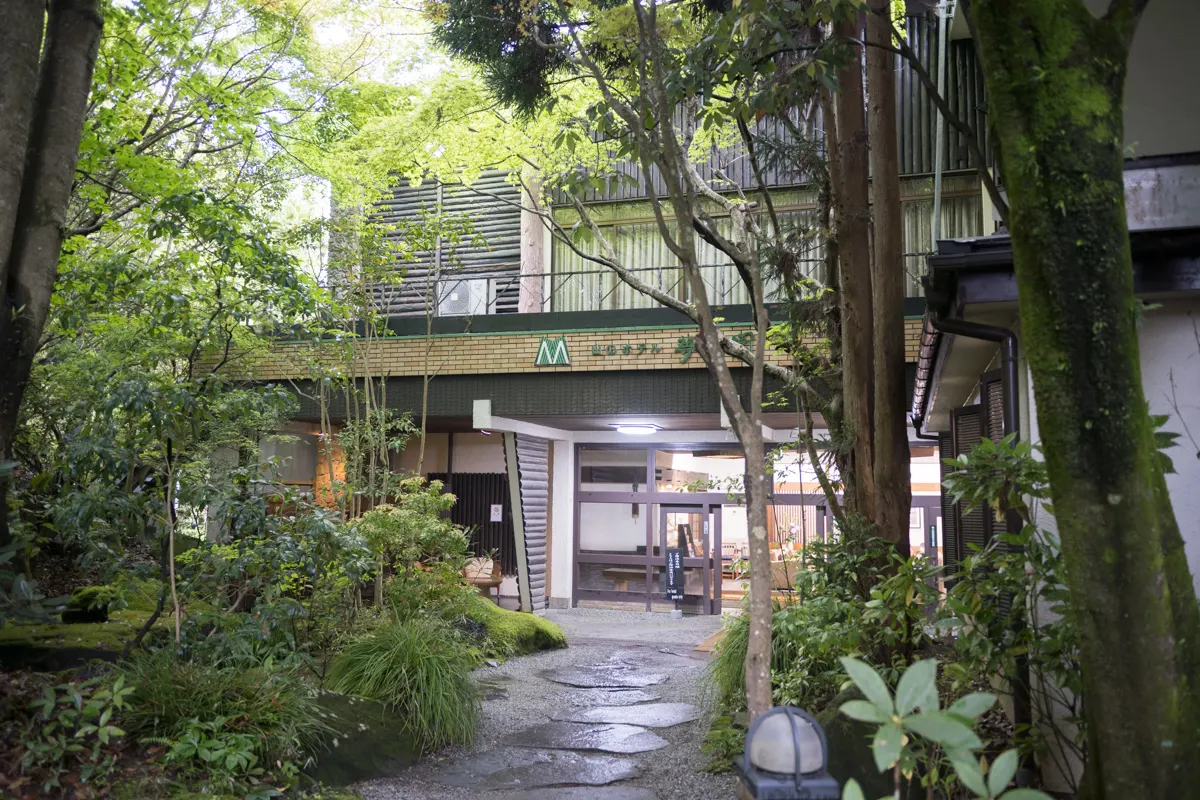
(552, 352)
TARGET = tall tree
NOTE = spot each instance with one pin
(890, 454)
(1055, 76)
(852, 212)
(46, 63)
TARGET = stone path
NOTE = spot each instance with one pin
(599, 721)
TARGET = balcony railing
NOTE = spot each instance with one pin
(601, 290)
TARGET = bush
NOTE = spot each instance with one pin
(89, 604)
(173, 698)
(511, 633)
(422, 669)
(856, 596)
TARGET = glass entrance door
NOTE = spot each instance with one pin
(695, 530)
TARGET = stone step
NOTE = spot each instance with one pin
(582, 736)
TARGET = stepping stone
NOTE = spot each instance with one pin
(609, 697)
(605, 677)
(584, 793)
(579, 736)
(518, 767)
(650, 715)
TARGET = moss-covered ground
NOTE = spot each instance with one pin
(121, 626)
(511, 633)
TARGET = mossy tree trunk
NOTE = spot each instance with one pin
(1055, 77)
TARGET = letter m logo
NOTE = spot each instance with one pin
(552, 352)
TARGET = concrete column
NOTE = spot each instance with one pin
(533, 244)
(562, 532)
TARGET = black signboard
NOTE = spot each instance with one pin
(674, 573)
(675, 564)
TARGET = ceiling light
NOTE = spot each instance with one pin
(637, 430)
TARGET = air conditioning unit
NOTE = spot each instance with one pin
(458, 298)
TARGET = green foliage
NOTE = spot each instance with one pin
(1007, 611)
(302, 575)
(422, 669)
(512, 633)
(72, 728)
(853, 596)
(425, 550)
(187, 704)
(916, 736)
(1164, 440)
(225, 758)
(416, 530)
(723, 743)
(996, 475)
(92, 597)
(20, 599)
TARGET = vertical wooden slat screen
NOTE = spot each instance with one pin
(533, 469)
(476, 493)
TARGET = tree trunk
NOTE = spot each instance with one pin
(43, 167)
(853, 243)
(758, 648)
(890, 441)
(1055, 79)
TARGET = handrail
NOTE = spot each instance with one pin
(602, 289)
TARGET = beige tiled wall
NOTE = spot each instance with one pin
(464, 354)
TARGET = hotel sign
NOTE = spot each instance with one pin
(552, 353)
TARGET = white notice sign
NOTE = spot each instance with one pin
(497, 512)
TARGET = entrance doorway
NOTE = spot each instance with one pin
(696, 530)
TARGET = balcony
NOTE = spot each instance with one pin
(470, 293)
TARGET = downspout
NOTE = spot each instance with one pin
(1008, 360)
(1022, 702)
(940, 135)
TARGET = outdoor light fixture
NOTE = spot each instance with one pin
(786, 756)
(637, 430)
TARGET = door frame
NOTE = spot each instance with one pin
(709, 563)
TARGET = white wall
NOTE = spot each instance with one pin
(612, 527)
(1162, 105)
(1169, 339)
(562, 523)
(436, 449)
(1170, 352)
(474, 452)
(1170, 343)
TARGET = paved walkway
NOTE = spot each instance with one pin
(619, 715)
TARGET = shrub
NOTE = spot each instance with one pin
(856, 596)
(422, 669)
(511, 633)
(173, 697)
(438, 589)
(89, 604)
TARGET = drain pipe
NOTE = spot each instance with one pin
(943, 11)
(1022, 702)
(1008, 360)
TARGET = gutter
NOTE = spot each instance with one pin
(931, 340)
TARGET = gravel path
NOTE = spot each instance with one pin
(528, 699)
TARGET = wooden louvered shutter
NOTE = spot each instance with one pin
(949, 517)
(966, 426)
(991, 400)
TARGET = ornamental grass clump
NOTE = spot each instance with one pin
(422, 670)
